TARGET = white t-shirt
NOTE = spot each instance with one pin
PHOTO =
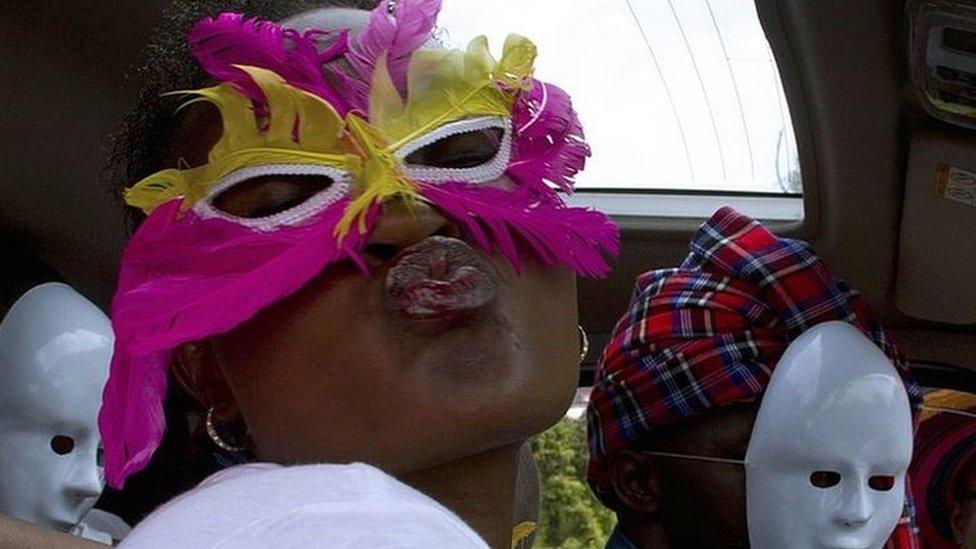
(267, 505)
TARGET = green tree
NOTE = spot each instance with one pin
(570, 516)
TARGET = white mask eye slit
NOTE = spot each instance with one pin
(825, 479)
(474, 150)
(881, 483)
(62, 444)
(272, 196)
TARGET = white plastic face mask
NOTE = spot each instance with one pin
(830, 447)
(55, 348)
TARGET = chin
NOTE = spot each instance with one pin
(849, 542)
(514, 397)
(549, 406)
(533, 410)
(475, 354)
(503, 423)
(62, 522)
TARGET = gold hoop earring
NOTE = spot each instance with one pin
(584, 343)
(215, 436)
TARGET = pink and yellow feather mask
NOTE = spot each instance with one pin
(367, 115)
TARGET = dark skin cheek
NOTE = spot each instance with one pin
(704, 504)
(278, 367)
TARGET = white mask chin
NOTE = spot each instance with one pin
(830, 447)
(55, 348)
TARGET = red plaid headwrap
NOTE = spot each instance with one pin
(710, 332)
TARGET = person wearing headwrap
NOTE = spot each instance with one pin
(944, 470)
(678, 387)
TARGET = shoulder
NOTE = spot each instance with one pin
(261, 505)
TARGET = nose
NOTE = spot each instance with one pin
(87, 484)
(856, 510)
(401, 225)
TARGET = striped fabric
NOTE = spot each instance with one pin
(710, 332)
(945, 445)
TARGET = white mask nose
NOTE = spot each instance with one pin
(89, 487)
(857, 510)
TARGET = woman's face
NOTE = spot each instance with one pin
(441, 352)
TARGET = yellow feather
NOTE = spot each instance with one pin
(522, 531)
(380, 177)
(157, 188)
(321, 140)
(385, 103)
(516, 65)
(448, 85)
(240, 127)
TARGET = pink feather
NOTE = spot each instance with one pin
(134, 398)
(549, 144)
(396, 36)
(131, 420)
(184, 282)
(497, 219)
(230, 39)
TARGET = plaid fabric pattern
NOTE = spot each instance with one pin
(711, 331)
(906, 534)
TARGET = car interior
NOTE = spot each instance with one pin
(881, 99)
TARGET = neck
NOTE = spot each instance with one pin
(645, 533)
(480, 489)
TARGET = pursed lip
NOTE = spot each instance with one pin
(439, 278)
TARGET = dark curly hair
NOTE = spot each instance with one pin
(144, 141)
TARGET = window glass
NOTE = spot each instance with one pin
(674, 94)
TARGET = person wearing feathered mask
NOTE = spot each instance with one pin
(359, 252)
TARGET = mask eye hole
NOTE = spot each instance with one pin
(825, 479)
(267, 195)
(459, 151)
(881, 483)
(62, 444)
